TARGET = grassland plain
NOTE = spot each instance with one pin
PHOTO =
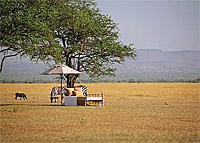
(133, 112)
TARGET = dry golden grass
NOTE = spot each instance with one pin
(133, 112)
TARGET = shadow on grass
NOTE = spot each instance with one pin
(43, 104)
(12, 104)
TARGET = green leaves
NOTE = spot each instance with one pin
(73, 32)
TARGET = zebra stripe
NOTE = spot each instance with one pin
(57, 90)
(84, 89)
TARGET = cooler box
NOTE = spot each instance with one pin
(70, 101)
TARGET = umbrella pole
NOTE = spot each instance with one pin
(61, 89)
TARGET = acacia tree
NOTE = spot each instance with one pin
(88, 40)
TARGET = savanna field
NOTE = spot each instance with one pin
(133, 112)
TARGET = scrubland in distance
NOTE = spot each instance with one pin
(133, 112)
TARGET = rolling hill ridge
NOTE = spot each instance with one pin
(149, 65)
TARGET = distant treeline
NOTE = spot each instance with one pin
(106, 81)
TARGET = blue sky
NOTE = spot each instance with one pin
(163, 24)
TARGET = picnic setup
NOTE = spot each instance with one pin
(72, 95)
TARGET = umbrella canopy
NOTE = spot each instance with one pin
(60, 69)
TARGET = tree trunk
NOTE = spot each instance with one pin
(69, 83)
(71, 79)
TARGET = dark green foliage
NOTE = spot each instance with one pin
(25, 27)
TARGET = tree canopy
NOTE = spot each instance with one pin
(73, 32)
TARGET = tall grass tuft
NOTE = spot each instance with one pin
(15, 109)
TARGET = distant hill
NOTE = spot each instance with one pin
(150, 65)
(158, 61)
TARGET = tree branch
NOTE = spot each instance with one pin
(5, 50)
(2, 61)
